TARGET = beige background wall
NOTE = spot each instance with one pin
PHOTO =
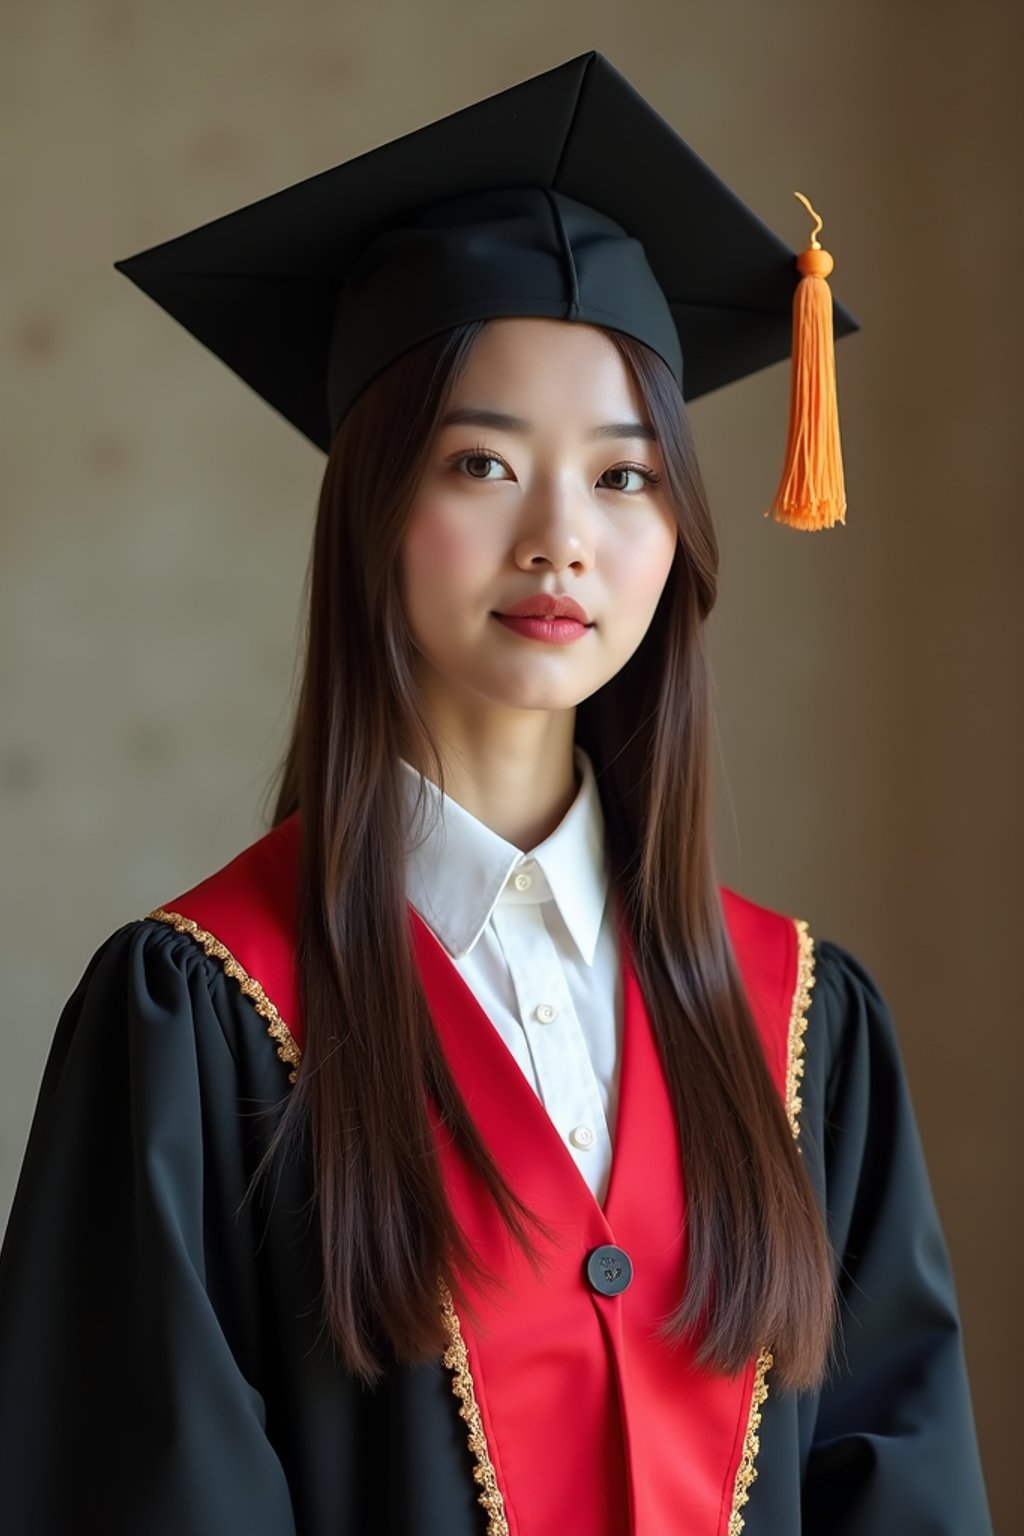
(154, 515)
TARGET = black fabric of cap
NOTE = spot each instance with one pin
(509, 251)
(567, 195)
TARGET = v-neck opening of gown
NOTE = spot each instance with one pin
(492, 1043)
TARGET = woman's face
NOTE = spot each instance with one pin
(557, 499)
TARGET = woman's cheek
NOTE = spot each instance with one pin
(443, 542)
(639, 575)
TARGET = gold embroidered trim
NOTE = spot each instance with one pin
(798, 1025)
(746, 1472)
(456, 1358)
(277, 1029)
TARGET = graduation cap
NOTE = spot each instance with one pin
(566, 195)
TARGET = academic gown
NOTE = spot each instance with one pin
(163, 1367)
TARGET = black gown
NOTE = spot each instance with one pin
(163, 1371)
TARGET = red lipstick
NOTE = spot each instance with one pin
(545, 616)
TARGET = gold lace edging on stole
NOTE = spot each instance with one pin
(798, 1025)
(456, 1356)
(277, 1029)
(746, 1472)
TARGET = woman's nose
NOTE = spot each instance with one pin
(557, 529)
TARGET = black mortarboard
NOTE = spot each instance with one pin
(566, 195)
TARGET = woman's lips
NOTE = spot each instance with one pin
(547, 605)
(554, 631)
(554, 617)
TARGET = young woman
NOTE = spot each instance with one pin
(460, 1158)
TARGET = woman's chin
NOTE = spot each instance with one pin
(528, 695)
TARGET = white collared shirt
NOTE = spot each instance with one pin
(532, 934)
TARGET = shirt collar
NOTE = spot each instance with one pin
(458, 869)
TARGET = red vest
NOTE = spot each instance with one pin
(581, 1419)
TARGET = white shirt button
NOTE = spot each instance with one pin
(582, 1136)
(523, 882)
(545, 1012)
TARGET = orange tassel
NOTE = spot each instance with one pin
(811, 491)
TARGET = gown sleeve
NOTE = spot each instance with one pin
(893, 1448)
(125, 1408)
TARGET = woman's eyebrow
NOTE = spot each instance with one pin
(472, 416)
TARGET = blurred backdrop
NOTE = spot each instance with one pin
(156, 515)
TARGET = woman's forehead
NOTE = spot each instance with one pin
(565, 365)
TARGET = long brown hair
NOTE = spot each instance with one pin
(758, 1266)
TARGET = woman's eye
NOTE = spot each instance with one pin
(645, 476)
(472, 463)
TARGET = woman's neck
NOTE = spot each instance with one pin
(513, 770)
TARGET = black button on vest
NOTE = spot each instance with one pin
(609, 1270)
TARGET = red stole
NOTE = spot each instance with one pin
(593, 1424)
